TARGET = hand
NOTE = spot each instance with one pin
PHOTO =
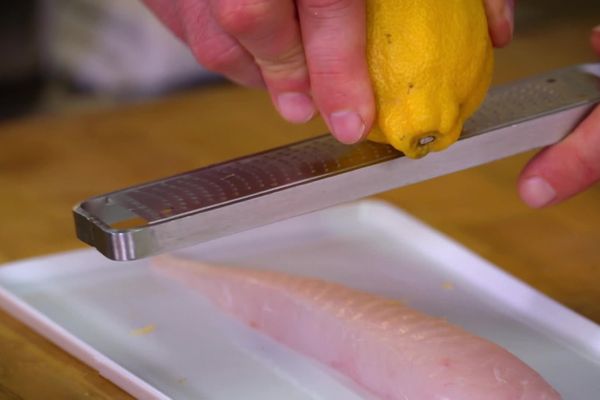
(309, 54)
(567, 168)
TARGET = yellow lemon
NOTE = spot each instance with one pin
(431, 64)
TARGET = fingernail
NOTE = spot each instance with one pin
(509, 14)
(296, 107)
(596, 30)
(536, 192)
(347, 126)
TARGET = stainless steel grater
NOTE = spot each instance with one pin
(259, 189)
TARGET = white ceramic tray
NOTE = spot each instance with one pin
(156, 339)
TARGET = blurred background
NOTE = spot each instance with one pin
(65, 55)
(60, 55)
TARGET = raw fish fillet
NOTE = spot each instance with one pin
(395, 352)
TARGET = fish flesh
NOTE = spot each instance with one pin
(393, 351)
(388, 348)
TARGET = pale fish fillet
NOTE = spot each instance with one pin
(395, 352)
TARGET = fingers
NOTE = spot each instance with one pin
(334, 36)
(501, 23)
(321, 66)
(564, 169)
(332, 42)
(215, 49)
(269, 30)
(325, 59)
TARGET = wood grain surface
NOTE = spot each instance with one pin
(48, 163)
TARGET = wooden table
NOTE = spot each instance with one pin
(48, 163)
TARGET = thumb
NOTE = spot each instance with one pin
(567, 168)
(564, 169)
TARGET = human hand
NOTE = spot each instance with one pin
(567, 168)
(309, 54)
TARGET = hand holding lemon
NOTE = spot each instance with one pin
(311, 54)
(405, 72)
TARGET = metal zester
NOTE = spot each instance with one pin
(259, 189)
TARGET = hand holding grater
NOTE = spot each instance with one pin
(262, 188)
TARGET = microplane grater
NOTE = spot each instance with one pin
(302, 177)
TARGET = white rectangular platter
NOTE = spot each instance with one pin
(157, 339)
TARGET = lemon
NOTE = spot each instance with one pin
(431, 64)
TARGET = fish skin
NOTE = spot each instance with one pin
(390, 349)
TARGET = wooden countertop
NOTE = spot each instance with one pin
(49, 163)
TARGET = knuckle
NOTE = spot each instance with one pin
(326, 75)
(328, 66)
(291, 60)
(242, 17)
(218, 58)
(327, 9)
